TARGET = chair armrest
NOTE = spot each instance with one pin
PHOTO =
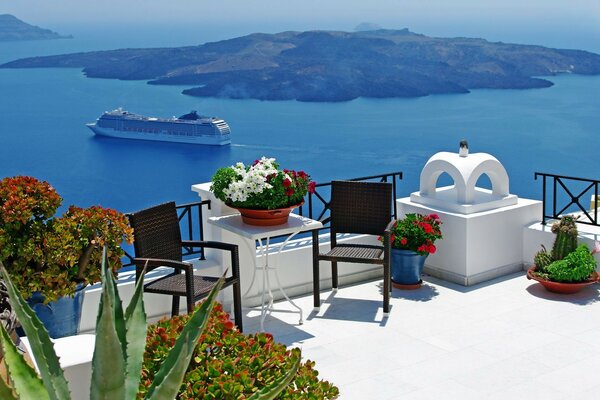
(141, 263)
(232, 248)
(209, 244)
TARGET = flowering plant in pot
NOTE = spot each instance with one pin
(52, 258)
(567, 267)
(261, 186)
(413, 239)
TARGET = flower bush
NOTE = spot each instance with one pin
(228, 364)
(416, 232)
(261, 186)
(53, 254)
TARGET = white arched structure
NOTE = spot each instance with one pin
(464, 197)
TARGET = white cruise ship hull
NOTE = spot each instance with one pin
(215, 140)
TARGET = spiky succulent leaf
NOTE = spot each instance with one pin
(108, 362)
(42, 348)
(24, 379)
(135, 323)
(168, 379)
(272, 391)
(117, 309)
(6, 393)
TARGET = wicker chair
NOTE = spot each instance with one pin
(360, 208)
(157, 243)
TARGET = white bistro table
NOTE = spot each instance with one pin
(262, 235)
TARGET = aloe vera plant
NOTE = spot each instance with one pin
(118, 353)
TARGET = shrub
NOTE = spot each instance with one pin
(577, 266)
(52, 254)
(230, 365)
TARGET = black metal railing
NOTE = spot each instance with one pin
(190, 222)
(564, 195)
(318, 206)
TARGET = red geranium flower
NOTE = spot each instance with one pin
(287, 183)
(403, 241)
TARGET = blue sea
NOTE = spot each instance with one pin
(44, 111)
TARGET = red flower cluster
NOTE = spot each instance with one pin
(416, 232)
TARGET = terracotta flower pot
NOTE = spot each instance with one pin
(276, 216)
(562, 287)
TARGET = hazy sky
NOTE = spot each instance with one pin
(492, 19)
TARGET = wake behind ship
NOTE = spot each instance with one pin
(189, 128)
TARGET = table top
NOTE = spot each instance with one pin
(295, 224)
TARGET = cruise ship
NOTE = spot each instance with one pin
(189, 128)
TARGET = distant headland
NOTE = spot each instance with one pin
(13, 29)
(332, 66)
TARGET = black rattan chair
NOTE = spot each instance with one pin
(157, 243)
(358, 208)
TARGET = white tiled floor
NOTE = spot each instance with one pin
(504, 339)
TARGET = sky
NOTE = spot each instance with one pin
(559, 23)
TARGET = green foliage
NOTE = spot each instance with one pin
(118, 351)
(577, 266)
(53, 254)
(566, 237)
(416, 232)
(229, 365)
(221, 181)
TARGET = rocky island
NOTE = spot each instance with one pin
(12, 29)
(332, 65)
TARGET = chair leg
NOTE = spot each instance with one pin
(334, 275)
(316, 286)
(175, 306)
(316, 279)
(190, 303)
(386, 288)
(237, 306)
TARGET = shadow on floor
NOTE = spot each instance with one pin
(343, 308)
(426, 292)
(283, 331)
(587, 295)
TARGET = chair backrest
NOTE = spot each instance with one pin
(156, 232)
(360, 207)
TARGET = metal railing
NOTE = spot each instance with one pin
(563, 195)
(190, 221)
(319, 201)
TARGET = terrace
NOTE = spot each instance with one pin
(476, 328)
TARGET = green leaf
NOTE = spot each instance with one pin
(273, 390)
(168, 379)
(135, 323)
(6, 393)
(42, 348)
(108, 362)
(24, 379)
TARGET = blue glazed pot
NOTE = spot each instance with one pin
(61, 317)
(407, 266)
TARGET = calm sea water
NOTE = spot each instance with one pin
(44, 111)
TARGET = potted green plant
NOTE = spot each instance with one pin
(413, 239)
(567, 267)
(118, 352)
(51, 259)
(263, 193)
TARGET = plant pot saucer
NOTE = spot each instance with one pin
(403, 286)
(561, 287)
